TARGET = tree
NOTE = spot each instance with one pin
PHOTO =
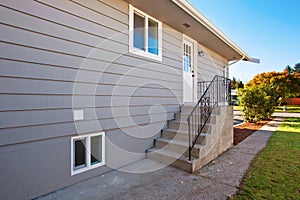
(236, 84)
(260, 95)
(240, 84)
(288, 69)
(286, 84)
(297, 68)
(257, 102)
(233, 83)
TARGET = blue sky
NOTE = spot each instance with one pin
(269, 30)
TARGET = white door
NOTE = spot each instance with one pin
(188, 70)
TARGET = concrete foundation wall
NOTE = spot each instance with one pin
(219, 139)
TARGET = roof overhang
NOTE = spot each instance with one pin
(176, 13)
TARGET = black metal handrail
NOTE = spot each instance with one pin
(201, 87)
(211, 94)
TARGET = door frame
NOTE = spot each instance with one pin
(194, 80)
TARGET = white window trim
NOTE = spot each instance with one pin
(137, 51)
(87, 152)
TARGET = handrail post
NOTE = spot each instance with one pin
(189, 125)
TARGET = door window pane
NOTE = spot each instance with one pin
(96, 149)
(152, 37)
(187, 57)
(186, 63)
(79, 157)
(139, 31)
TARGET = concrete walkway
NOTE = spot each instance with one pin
(217, 180)
(237, 117)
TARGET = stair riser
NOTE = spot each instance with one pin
(184, 126)
(180, 164)
(166, 151)
(182, 136)
(175, 135)
(176, 148)
(183, 118)
(201, 140)
(188, 109)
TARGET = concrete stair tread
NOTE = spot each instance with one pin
(188, 113)
(185, 122)
(172, 147)
(181, 131)
(179, 142)
(177, 131)
(168, 153)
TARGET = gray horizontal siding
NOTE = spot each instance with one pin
(12, 68)
(15, 135)
(56, 42)
(103, 9)
(44, 166)
(32, 86)
(31, 15)
(42, 41)
(17, 102)
(41, 62)
(209, 65)
(172, 33)
(38, 117)
(56, 101)
(50, 47)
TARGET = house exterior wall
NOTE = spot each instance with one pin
(57, 56)
(210, 64)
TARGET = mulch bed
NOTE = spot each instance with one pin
(244, 130)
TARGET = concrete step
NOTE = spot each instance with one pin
(172, 147)
(188, 109)
(177, 160)
(170, 158)
(182, 135)
(177, 146)
(183, 117)
(181, 125)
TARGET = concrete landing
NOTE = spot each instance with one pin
(217, 180)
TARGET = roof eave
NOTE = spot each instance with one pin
(192, 11)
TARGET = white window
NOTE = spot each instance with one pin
(145, 34)
(87, 152)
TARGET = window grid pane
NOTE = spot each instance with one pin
(139, 32)
(79, 157)
(96, 149)
(187, 58)
(152, 37)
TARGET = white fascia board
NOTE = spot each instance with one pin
(192, 11)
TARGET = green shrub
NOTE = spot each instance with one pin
(257, 103)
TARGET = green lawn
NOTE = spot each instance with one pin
(237, 107)
(275, 172)
(293, 109)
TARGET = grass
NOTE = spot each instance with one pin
(293, 109)
(275, 172)
(237, 107)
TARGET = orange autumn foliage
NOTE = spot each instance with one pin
(287, 84)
